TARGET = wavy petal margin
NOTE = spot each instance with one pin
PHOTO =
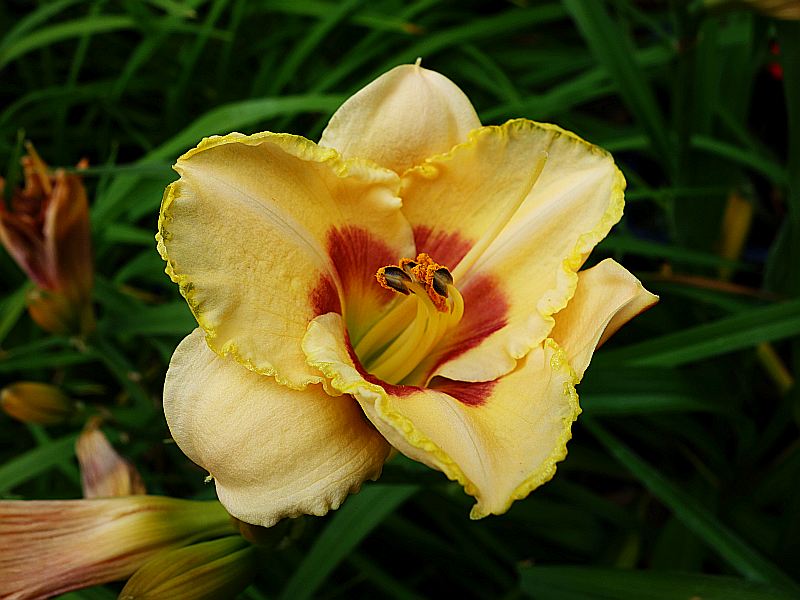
(607, 297)
(498, 442)
(250, 231)
(273, 452)
(455, 199)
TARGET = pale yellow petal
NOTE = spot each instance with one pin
(264, 232)
(273, 452)
(499, 439)
(606, 298)
(455, 202)
(401, 118)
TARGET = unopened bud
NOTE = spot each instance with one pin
(218, 569)
(104, 473)
(32, 402)
(51, 547)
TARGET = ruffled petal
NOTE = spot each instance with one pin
(273, 452)
(529, 268)
(401, 118)
(264, 232)
(499, 439)
(607, 297)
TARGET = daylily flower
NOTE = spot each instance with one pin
(46, 230)
(414, 268)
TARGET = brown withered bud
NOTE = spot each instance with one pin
(45, 228)
(104, 473)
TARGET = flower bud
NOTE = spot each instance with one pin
(46, 230)
(218, 569)
(104, 473)
(32, 402)
(51, 547)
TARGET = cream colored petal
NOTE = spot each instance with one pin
(264, 232)
(606, 298)
(273, 452)
(499, 439)
(455, 201)
(401, 118)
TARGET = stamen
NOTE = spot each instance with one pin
(394, 278)
(397, 343)
(442, 279)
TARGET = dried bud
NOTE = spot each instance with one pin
(51, 547)
(217, 569)
(104, 473)
(32, 402)
(46, 231)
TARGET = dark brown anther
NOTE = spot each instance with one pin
(441, 280)
(394, 278)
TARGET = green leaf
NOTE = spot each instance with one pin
(766, 324)
(173, 318)
(33, 463)
(765, 165)
(594, 583)
(12, 308)
(735, 551)
(346, 530)
(62, 31)
(614, 50)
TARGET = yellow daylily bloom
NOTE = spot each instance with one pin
(414, 268)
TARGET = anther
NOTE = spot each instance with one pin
(441, 280)
(408, 265)
(394, 278)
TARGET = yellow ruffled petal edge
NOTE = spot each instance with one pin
(547, 470)
(326, 350)
(557, 298)
(273, 453)
(294, 145)
(186, 288)
(587, 241)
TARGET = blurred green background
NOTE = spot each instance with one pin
(683, 475)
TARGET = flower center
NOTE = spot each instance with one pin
(405, 334)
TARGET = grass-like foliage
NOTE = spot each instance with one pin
(683, 475)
